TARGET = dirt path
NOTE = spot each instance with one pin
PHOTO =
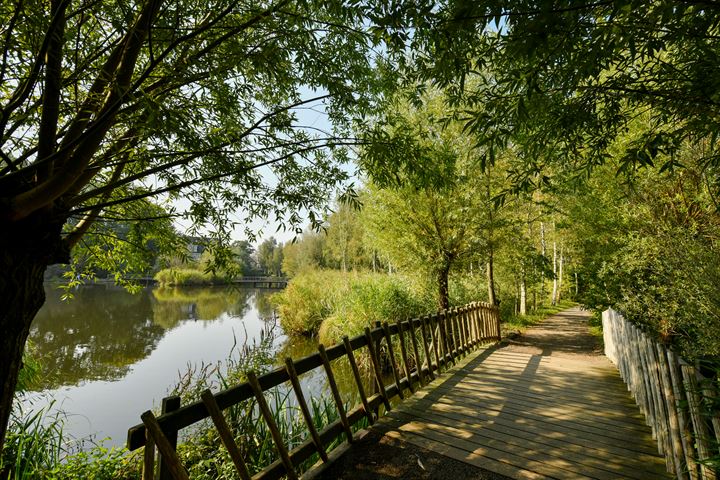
(566, 333)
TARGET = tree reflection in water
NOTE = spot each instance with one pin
(104, 330)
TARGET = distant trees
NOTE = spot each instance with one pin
(242, 251)
(306, 252)
(270, 257)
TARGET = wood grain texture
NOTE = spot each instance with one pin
(533, 411)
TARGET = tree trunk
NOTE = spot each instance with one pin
(577, 285)
(542, 272)
(523, 291)
(560, 274)
(555, 274)
(27, 247)
(492, 298)
(443, 291)
(534, 288)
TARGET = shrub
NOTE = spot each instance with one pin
(309, 298)
(370, 298)
(467, 288)
(184, 276)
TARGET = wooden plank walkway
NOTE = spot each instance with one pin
(548, 407)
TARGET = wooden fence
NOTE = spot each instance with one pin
(441, 338)
(679, 403)
(268, 282)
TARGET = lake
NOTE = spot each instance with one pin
(108, 355)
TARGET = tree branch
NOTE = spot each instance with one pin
(209, 178)
(8, 36)
(67, 174)
(84, 224)
(25, 88)
(47, 133)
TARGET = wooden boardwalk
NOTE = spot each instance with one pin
(547, 407)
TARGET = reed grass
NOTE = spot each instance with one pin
(201, 450)
(35, 443)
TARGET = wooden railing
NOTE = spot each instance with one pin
(443, 337)
(679, 403)
(262, 281)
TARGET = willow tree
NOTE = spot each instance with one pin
(428, 206)
(562, 79)
(104, 105)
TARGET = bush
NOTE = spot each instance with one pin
(467, 288)
(184, 276)
(309, 298)
(335, 304)
(371, 298)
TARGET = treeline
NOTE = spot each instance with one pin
(443, 226)
(462, 226)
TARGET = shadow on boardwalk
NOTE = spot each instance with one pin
(548, 405)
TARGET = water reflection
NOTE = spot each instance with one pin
(104, 330)
(108, 355)
(96, 336)
(173, 305)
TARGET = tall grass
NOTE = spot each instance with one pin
(310, 298)
(334, 304)
(34, 443)
(186, 276)
(202, 451)
(37, 447)
(370, 299)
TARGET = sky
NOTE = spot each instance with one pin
(313, 117)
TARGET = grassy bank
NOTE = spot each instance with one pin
(331, 304)
(187, 277)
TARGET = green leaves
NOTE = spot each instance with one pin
(559, 81)
(213, 110)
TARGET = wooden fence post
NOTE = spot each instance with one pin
(295, 381)
(335, 393)
(173, 468)
(148, 472)
(358, 379)
(393, 363)
(668, 392)
(685, 423)
(169, 404)
(403, 355)
(426, 347)
(416, 352)
(699, 426)
(671, 406)
(272, 426)
(226, 435)
(378, 369)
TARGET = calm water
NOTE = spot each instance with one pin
(108, 355)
